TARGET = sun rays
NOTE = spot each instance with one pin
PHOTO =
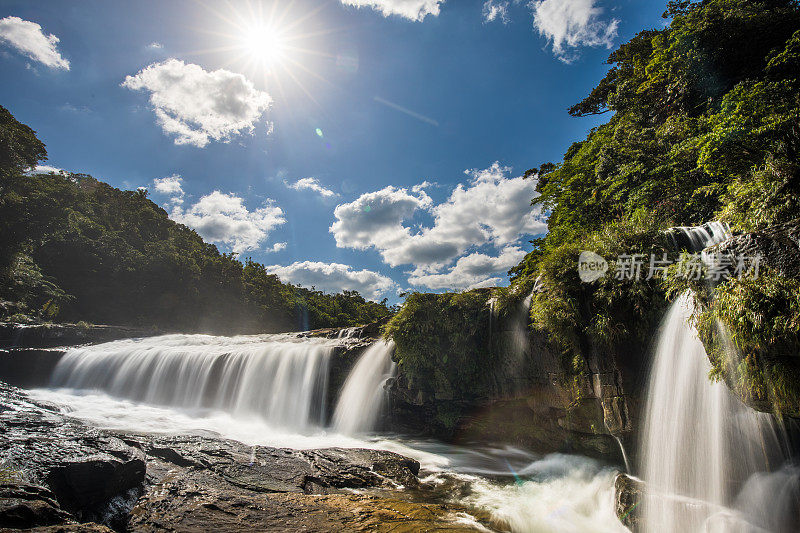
(277, 44)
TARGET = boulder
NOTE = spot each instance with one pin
(93, 476)
(628, 493)
(25, 506)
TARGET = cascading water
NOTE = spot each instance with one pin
(349, 333)
(363, 395)
(278, 378)
(700, 444)
(698, 237)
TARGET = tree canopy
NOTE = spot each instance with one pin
(75, 248)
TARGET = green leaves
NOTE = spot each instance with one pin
(123, 261)
(20, 150)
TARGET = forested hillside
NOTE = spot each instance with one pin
(73, 248)
(703, 124)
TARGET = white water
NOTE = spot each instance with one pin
(552, 494)
(701, 447)
(706, 235)
(349, 333)
(250, 388)
(277, 377)
(363, 394)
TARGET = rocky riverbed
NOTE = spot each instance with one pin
(61, 475)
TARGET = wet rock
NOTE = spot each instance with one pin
(93, 476)
(78, 478)
(25, 506)
(627, 498)
(778, 247)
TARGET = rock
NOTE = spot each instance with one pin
(74, 473)
(73, 528)
(15, 335)
(778, 246)
(93, 476)
(24, 506)
(28, 367)
(627, 498)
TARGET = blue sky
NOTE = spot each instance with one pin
(374, 145)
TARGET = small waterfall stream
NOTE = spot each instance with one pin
(363, 395)
(695, 238)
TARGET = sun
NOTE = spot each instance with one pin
(264, 45)
(278, 45)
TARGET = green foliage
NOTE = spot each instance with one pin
(8, 475)
(606, 313)
(20, 150)
(701, 107)
(74, 248)
(751, 327)
(443, 342)
(705, 125)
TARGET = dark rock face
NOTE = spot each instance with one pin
(14, 335)
(531, 406)
(29, 367)
(778, 246)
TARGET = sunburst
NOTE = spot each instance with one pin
(270, 41)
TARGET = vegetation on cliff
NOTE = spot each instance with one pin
(74, 248)
(705, 125)
(443, 342)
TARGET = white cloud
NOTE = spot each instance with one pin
(171, 185)
(223, 218)
(46, 169)
(415, 10)
(571, 24)
(311, 184)
(155, 45)
(493, 10)
(334, 277)
(277, 247)
(29, 39)
(198, 106)
(376, 218)
(472, 271)
(491, 209)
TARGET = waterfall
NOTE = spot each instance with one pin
(279, 378)
(697, 238)
(700, 445)
(349, 333)
(363, 394)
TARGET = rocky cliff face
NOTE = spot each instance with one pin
(530, 402)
